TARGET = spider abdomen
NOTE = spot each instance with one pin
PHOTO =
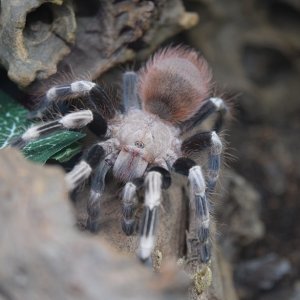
(174, 84)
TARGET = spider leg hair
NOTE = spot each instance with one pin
(76, 89)
(99, 125)
(174, 84)
(214, 160)
(129, 204)
(60, 92)
(156, 179)
(198, 203)
(74, 120)
(94, 201)
(84, 168)
(198, 195)
(210, 106)
(206, 140)
(98, 158)
(153, 182)
(130, 95)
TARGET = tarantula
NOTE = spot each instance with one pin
(167, 98)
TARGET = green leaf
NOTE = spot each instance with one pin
(13, 120)
(61, 145)
(67, 153)
(44, 148)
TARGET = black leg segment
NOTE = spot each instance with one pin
(196, 143)
(211, 106)
(183, 165)
(98, 126)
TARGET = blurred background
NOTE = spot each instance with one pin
(253, 47)
(254, 50)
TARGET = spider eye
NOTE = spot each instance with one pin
(139, 144)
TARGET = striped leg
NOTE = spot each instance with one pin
(153, 184)
(74, 120)
(156, 179)
(61, 92)
(83, 169)
(129, 203)
(211, 106)
(214, 161)
(57, 94)
(199, 204)
(200, 142)
(94, 201)
(98, 156)
(198, 196)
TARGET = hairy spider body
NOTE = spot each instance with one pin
(174, 84)
(144, 140)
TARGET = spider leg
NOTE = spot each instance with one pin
(199, 203)
(130, 96)
(90, 160)
(84, 168)
(153, 183)
(210, 106)
(198, 190)
(129, 203)
(94, 201)
(201, 141)
(156, 179)
(98, 157)
(74, 120)
(214, 162)
(76, 89)
(60, 92)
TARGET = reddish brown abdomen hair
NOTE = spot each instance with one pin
(174, 84)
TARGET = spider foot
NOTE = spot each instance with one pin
(128, 226)
(92, 225)
(146, 261)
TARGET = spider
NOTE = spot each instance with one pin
(142, 142)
